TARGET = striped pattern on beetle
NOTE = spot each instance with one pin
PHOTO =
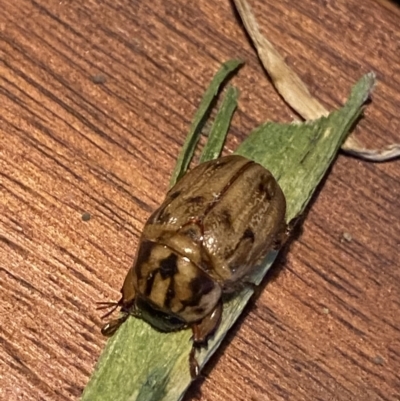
(213, 227)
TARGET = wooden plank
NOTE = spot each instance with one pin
(326, 324)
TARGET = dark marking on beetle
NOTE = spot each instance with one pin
(160, 215)
(170, 294)
(143, 256)
(149, 283)
(153, 219)
(196, 199)
(199, 286)
(266, 188)
(164, 217)
(226, 218)
(248, 234)
(174, 195)
(205, 261)
(169, 266)
(227, 186)
(247, 237)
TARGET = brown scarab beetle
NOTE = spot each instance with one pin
(213, 227)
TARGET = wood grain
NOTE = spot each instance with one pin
(326, 325)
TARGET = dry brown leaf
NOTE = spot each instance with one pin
(295, 93)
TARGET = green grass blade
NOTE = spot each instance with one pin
(139, 363)
(220, 127)
(303, 152)
(186, 153)
(298, 155)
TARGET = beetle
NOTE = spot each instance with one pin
(214, 226)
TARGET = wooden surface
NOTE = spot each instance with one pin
(96, 98)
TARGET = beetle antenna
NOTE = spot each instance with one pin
(105, 305)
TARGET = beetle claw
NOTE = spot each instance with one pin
(193, 364)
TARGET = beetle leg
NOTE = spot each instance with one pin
(282, 236)
(193, 364)
(207, 326)
(201, 332)
(285, 232)
(112, 326)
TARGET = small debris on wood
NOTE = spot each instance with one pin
(86, 216)
(346, 237)
(99, 79)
